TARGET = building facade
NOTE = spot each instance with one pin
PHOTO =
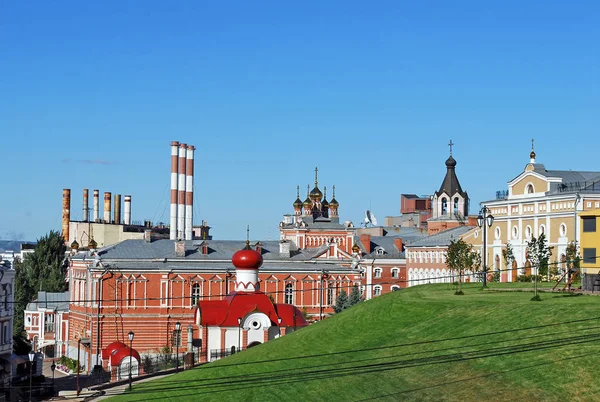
(47, 323)
(589, 233)
(7, 285)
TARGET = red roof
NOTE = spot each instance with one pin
(225, 313)
(119, 354)
(106, 352)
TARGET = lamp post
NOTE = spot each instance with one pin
(53, 367)
(177, 337)
(78, 364)
(31, 357)
(485, 217)
(324, 276)
(131, 334)
(239, 333)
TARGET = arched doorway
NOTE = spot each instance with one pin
(527, 267)
(253, 344)
(514, 271)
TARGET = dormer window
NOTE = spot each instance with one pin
(380, 251)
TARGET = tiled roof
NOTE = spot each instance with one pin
(443, 238)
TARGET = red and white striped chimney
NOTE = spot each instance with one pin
(181, 192)
(127, 210)
(174, 172)
(96, 205)
(189, 193)
(86, 209)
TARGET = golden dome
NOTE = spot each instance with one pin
(74, 245)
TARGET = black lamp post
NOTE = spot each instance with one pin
(239, 333)
(177, 337)
(485, 217)
(31, 357)
(53, 367)
(131, 334)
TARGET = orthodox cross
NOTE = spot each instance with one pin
(532, 144)
(316, 175)
(298, 191)
(450, 145)
(333, 188)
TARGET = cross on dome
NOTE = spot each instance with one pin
(450, 145)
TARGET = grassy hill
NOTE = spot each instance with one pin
(422, 343)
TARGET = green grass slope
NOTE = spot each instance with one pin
(422, 343)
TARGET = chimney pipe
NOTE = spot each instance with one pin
(66, 213)
(107, 199)
(181, 192)
(189, 193)
(96, 206)
(86, 209)
(117, 209)
(174, 172)
(127, 210)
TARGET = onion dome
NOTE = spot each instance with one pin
(333, 202)
(247, 258)
(316, 194)
(450, 162)
(74, 245)
(532, 154)
(324, 203)
(356, 248)
(298, 202)
(92, 244)
(308, 202)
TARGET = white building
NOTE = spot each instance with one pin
(46, 323)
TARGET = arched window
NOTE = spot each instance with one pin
(195, 293)
(376, 291)
(330, 295)
(444, 206)
(289, 294)
(395, 272)
(455, 205)
(377, 273)
(394, 288)
(530, 189)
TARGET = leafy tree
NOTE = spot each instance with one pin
(461, 256)
(539, 254)
(509, 258)
(355, 296)
(44, 269)
(341, 302)
(573, 257)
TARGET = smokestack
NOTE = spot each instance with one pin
(96, 206)
(66, 213)
(181, 192)
(127, 210)
(174, 172)
(117, 209)
(107, 199)
(86, 209)
(189, 193)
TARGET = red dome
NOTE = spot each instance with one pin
(106, 352)
(247, 258)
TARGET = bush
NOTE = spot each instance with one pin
(71, 364)
(528, 278)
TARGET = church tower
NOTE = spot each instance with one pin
(450, 204)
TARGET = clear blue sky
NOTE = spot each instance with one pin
(92, 93)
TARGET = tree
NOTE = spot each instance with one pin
(355, 296)
(461, 256)
(539, 254)
(509, 258)
(341, 302)
(44, 269)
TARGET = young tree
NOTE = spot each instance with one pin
(573, 261)
(461, 256)
(539, 254)
(44, 269)
(355, 296)
(341, 302)
(509, 258)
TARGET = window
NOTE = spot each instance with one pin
(530, 189)
(589, 223)
(515, 232)
(289, 294)
(377, 273)
(563, 230)
(377, 291)
(395, 288)
(444, 206)
(49, 322)
(195, 293)
(528, 232)
(395, 272)
(589, 255)
(330, 296)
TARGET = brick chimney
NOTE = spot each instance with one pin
(398, 243)
(365, 240)
(148, 236)
(179, 249)
(284, 248)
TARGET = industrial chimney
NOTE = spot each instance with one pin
(174, 164)
(181, 192)
(86, 209)
(117, 208)
(182, 187)
(66, 213)
(127, 210)
(96, 206)
(107, 201)
(189, 193)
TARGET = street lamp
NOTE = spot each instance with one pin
(485, 217)
(324, 276)
(177, 337)
(131, 334)
(239, 333)
(31, 357)
(53, 367)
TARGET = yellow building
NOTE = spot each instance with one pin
(537, 201)
(589, 234)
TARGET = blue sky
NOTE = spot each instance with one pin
(92, 94)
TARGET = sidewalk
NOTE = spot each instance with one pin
(119, 389)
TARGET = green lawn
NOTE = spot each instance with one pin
(422, 343)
